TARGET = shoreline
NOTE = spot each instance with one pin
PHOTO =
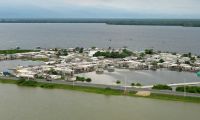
(103, 91)
(109, 21)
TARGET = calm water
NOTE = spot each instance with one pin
(12, 64)
(31, 35)
(21, 103)
(145, 77)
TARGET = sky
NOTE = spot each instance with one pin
(100, 9)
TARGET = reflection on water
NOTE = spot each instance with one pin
(11, 64)
(146, 77)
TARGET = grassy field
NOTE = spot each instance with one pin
(16, 51)
(106, 91)
(38, 59)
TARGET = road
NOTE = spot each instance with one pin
(115, 87)
(175, 84)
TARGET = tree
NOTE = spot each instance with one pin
(142, 55)
(138, 84)
(132, 84)
(88, 80)
(93, 47)
(187, 62)
(162, 87)
(118, 81)
(149, 51)
(161, 61)
(81, 50)
(53, 72)
(64, 52)
(154, 63)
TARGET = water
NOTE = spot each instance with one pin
(47, 35)
(22, 103)
(145, 77)
(12, 64)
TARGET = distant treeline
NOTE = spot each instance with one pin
(160, 22)
(157, 22)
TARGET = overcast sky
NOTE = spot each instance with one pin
(99, 8)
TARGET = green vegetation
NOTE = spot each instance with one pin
(30, 83)
(132, 84)
(157, 22)
(93, 47)
(189, 89)
(187, 62)
(62, 52)
(149, 51)
(38, 59)
(105, 91)
(123, 54)
(161, 61)
(154, 63)
(187, 55)
(53, 72)
(118, 82)
(136, 84)
(162, 87)
(193, 59)
(83, 79)
(141, 55)
(88, 80)
(81, 50)
(175, 98)
(16, 51)
(78, 49)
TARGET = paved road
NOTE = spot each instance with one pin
(175, 84)
(115, 87)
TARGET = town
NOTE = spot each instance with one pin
(67, 64)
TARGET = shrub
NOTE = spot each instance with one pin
(161, 61)
(88, 80)
(47, 85)
(27, 83)
(132, 84)
(189, 89)
(149, 51)
(118, 81)
(138, 84)
(162, 87)
(83, 79)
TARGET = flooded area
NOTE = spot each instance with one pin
(145, 77)
(12, 64)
